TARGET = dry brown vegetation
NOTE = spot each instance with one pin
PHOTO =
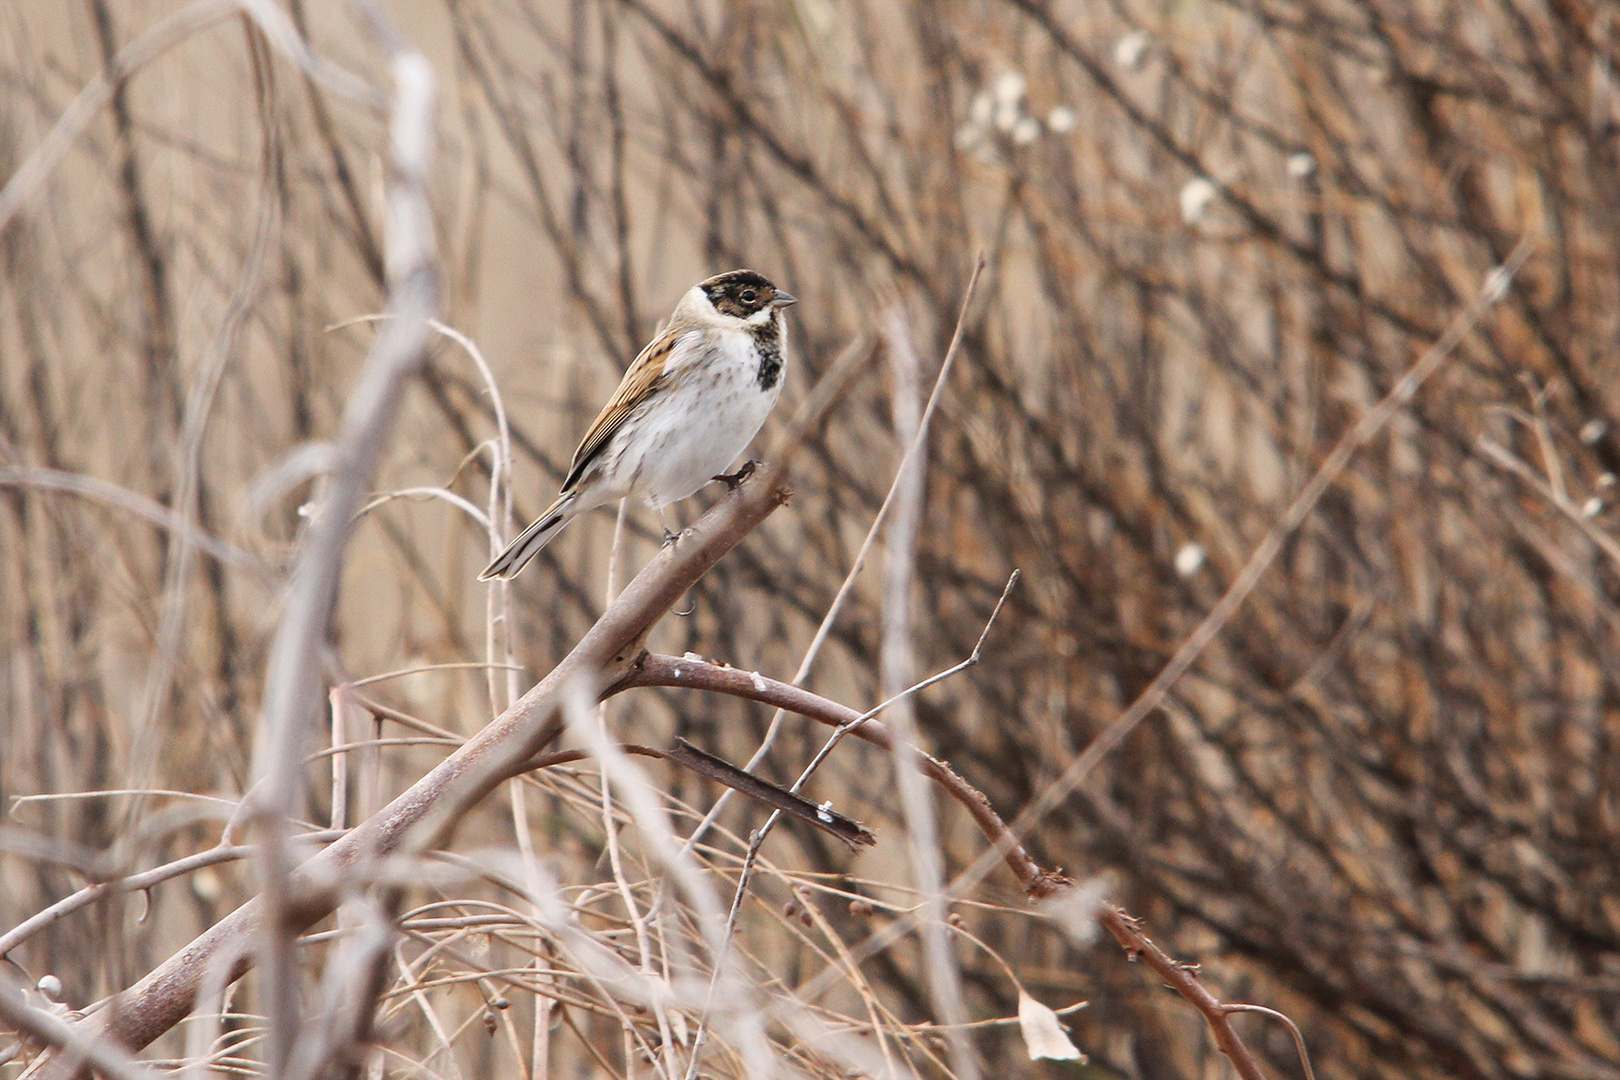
(1382, 801)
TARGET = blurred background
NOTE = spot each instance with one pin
(1383, 802)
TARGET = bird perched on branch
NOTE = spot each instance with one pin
(687, 407)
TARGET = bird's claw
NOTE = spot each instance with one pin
(733, 480)
(670, 538)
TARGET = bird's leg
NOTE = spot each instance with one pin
(732, 480)
(669, 537)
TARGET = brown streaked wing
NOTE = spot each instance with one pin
(644, 373)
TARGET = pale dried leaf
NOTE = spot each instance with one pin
(1043, 1033)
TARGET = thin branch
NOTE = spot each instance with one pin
(1293, 1029)
(898, 748)
(942, 976)
(865, 718)
(746, 784)
(140, 882)
(1548, 489)
(1183, 979)
(789, 802)
(99, 91)
(133, 502)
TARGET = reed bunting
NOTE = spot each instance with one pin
(688, 406)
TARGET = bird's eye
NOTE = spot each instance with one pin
(749, 296)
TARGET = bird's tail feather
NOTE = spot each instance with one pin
(529, 542)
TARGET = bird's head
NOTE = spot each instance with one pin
(745, 296)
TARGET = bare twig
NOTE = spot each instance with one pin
(142, 51)
(99, 92)
(944, 980)
(1549, 489)
(658, 834)
(1183, 979)
(133, 502)
(639, 919)
(1293, 1029)
(131, 883)
(745, 783)
(354, 979)
(708, 676)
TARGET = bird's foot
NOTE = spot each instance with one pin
(732, 480)
(670, 538)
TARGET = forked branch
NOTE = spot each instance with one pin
(653, 669)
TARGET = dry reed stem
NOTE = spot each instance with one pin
(896, 659)
(292, 696)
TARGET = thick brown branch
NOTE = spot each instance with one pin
(653, 669)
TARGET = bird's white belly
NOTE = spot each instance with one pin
(697, 427)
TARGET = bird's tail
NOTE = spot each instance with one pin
(531, 540)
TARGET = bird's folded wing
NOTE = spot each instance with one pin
(642, 377)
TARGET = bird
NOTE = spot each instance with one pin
(688, 406)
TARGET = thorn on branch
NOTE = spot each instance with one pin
(1048, 883)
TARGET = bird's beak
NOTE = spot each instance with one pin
(783, 299)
